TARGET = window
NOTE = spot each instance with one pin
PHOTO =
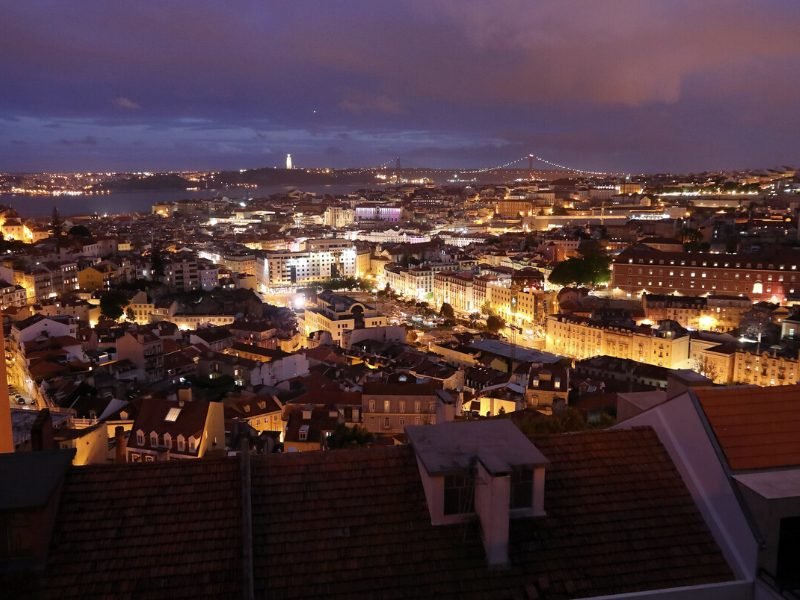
(459, 497)
(417, 406)
(172, 415)
(153, 439)
(372, 405)
(302, 435)
(168, 440)
(192, 444)
(149, 458)
(522, 487)
(402, 421)
(402, 406)
(181, 443)
(140, 438)
(387, 406)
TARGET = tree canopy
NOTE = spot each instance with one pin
(495, 323)
(349, 437)
(592, 267)
(112, 304)
(447, 311)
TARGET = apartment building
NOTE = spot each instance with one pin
(389, 407)
(768, 276)
(318, 261)
(455, 289)
(338, 314)
(666, 345)
(706, 313)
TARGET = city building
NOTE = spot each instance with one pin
(338, 314)
(666, 345)
(319, 260)
(388, 408)
(768, 276)
(176, 429)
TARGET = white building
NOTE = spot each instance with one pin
(320, 260)
(338, 314)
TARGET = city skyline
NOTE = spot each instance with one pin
(627, 87)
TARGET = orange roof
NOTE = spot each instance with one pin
(755, 427)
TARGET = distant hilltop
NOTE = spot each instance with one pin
(254, 177)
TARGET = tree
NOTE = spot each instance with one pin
(79, 231)
(112, 304)
(57, 226)
(129, 314)
(156, 262)
(495, 323)
(349, 437)
(592, 267)
(447, 311)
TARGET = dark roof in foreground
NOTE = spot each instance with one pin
(354, 523)
(156, 530)
(619, 520)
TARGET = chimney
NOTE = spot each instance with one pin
(504, 474)
(42, 431)
(492, 504)
(120, 445)
(184, 395)
(445, 407)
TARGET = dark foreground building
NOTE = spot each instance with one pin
(358, 523)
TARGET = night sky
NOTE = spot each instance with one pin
(628, 85)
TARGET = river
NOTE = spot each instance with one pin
(128, 202)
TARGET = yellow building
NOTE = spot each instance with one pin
(764, 369)
(580, 338)
(454, 289)
(95, 278)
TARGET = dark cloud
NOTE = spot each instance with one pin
(620, 85)
(88, 140)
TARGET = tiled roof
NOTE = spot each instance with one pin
(354, 523)
(400, 389)
(189, 420)
(161, 530)
(757, 428)
(619, 520)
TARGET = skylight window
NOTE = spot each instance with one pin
(172, 415)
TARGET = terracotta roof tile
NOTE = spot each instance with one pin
(619, 520)
(161, 530)
(354, 523)
(757, 428)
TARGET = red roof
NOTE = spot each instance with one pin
(757, 428)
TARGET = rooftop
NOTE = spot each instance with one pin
(757, 428)
(451, 447)
(350, 523)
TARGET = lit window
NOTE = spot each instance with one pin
(172, 415)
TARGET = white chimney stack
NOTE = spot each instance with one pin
(492, 503)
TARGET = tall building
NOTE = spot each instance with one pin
(289, 161)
